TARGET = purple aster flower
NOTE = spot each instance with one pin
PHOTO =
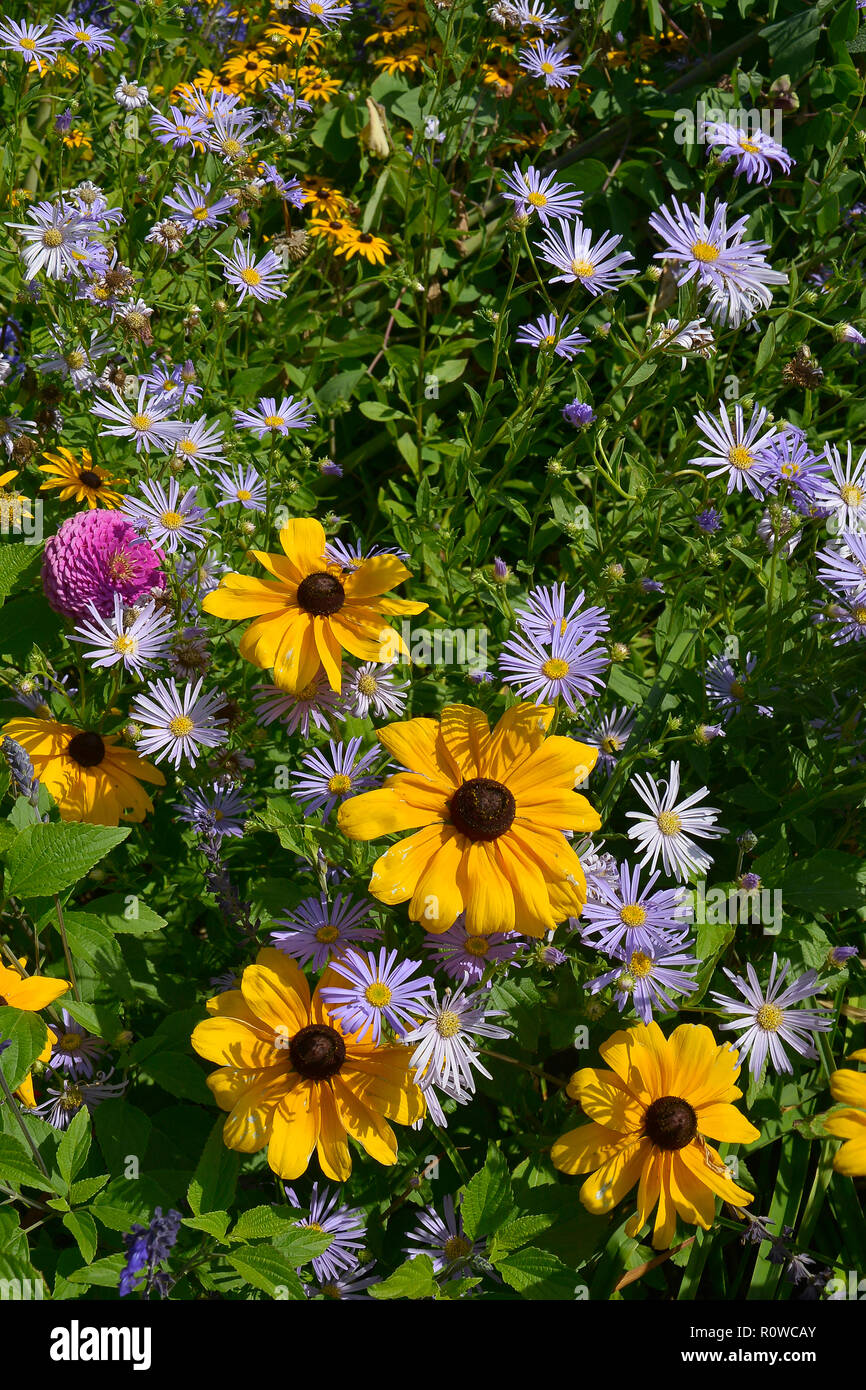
(709, 520)
(64, 1101)
(547, 332)
(843, 493)
(842, 569)
(318, 931)
(535, 192)
(463, 957)
(178, 129)
(579, 414)
(545, 609)
(32, 41)
(346, 1226)
(268, 417)
(739, 450)
(290, 190)
(93, 38)
(755, 152)
(623, 917)
(261, 279)
(178, 724)
(198, 443)
(134, 637)
(565, 664)
(74, 1050)
(94, 556)
(351, 1285)
(145, 422)
(147, 1247)
(165, 518)
(789, 460)
(546, 61)
(244, 486)
(192, 207)
(219, 812)
(58, 240)
(316, 704)
(63, 122)
(840, 955)
(325, 783)
(767, 1018)
(573, 253)
(849, 617)
(349, 557)
(650, 586)
(673, 827)
(443, 1239)
(381, 989)
(647, 979)
(609, 735)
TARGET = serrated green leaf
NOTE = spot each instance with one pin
(414, 1279)
(46, 859)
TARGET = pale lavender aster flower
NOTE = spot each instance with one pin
(63, 1102)
(244, 486)
(177, 724)
(673, 827)
(146, 422)
(375, 687)
(327, 781)
(843, 493)
(609, 735)
(546, 609)
(193, 209)
(165, 518)
(548, 332)
(446, 1048)
(137, 637)
(545, 61)
(535, 192)
(443, 1239)
(755, 152)
(350, 1286)
(260, 278)
(647, 979)
(93, 38)
(199, 442)
(270, 418)
(220, 811)
(623, 916)
(737, 449)
(316, 704)
(33, 42)
(461, 956)
(766, 1021)
(572, 252)
(347, 1226)
(566, 664)
(178, 129)
(75, 1049)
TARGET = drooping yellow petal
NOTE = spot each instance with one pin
(295, 1130)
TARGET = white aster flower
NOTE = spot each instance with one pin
(672, 828)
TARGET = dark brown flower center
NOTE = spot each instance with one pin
(89, 478)
(321, 594)
(482, 809)
(86, 749)
(317, 1052)
(670, 1123)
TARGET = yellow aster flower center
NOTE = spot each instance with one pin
(124, 644)
(456, 1248)
(339, 783)
(243, 494)
(187, 446)
(367, 684)
(851, 494)
(549, 340)
(477, 946)
(769, 1017)
(171, 520)
(231, 147)
(632, 914)
(313, 1226)
(748, 146)
(28, 44)
(740, 457)
(547, 68)
(447, 1023)
(181, 725)
(377, 994)
(75, 359)
(184, 130)
(52, 237)
(610, 744)
(538, 200)
(555, 669)
(640, 965)
(704, 251)
(790, 470)
(274, 422)
(200, 213)
(140, 422)
(327, 933)
(860, 616)
(582, 268)
(136, 319)
(250, 275)
(669, 822)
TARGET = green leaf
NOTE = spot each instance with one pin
(123, 1133)
(14, 560)
(214, 1181)
(45, 859)
(85, 1189)
(828, 881)
(414, 1279)
(262, 1222)
(105, 1274)
(179, 1074)
(488, 1200)
(516, 1233)
(18, 1168)
(75, 1145)
(126, 913)
(82, 1227)
(537, 1274)
(268, 1270)
(26, 1034)
(215, 1223)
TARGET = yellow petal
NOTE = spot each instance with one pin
(295, 1130)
